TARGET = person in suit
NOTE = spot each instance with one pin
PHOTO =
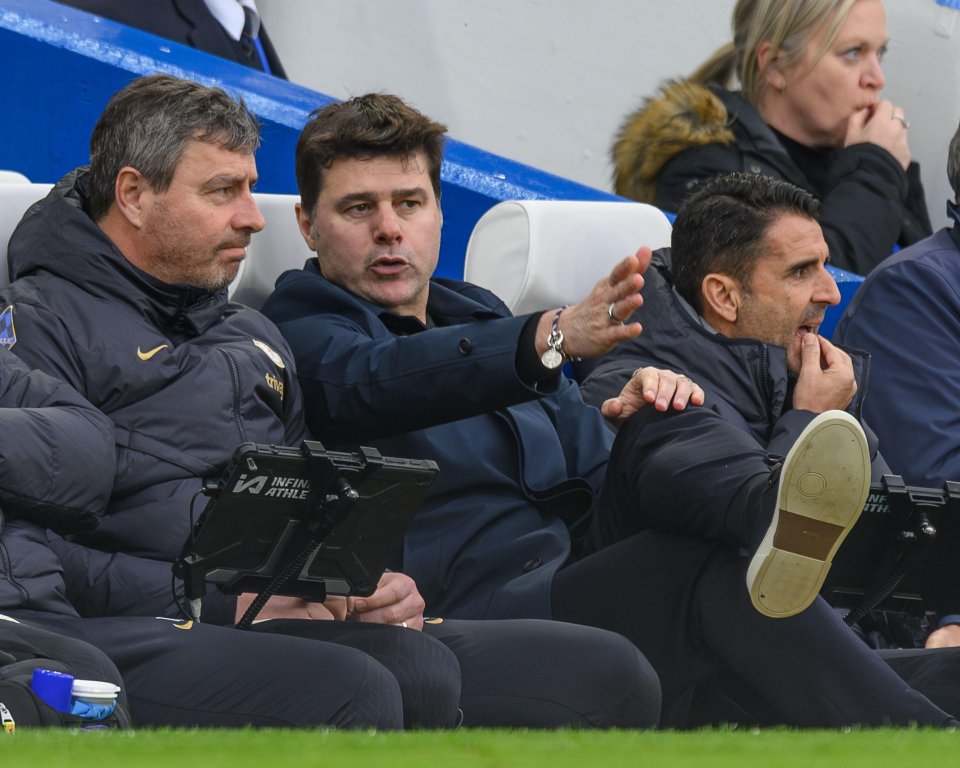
(230, 29)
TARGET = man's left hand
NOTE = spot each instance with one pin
(652, 385)
(945, 637)
(283, 607)
(598, 323)
(396, 601)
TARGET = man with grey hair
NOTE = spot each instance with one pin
(907, 316)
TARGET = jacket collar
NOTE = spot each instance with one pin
(206, 33)
(447, 304)
(758, 138)
(954, 213)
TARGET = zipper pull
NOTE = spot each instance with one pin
(9, 726)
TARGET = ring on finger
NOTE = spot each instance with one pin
(403, 624)
(903, 121)
(613, 317)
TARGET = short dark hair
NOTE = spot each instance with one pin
(722, 226)
(953, 164)
(373, 125)
(147, 125)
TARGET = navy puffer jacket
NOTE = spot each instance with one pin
(184, 375)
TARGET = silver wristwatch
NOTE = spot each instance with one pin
(553, 357)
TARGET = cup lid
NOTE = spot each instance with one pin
(90, 689)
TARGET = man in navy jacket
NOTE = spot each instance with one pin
(907, 316)
(439, 369)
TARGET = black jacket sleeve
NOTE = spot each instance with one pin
(865, 213)
(117, 584)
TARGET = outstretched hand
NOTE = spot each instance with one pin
(944, 637)
(654, 386)
(597, 323)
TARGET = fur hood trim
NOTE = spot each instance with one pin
(682, 115)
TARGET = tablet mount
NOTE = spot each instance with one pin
(329, 503)
(913, 537)
(899, 559)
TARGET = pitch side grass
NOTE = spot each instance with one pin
(737, 748)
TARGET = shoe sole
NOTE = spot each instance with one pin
(824, 484)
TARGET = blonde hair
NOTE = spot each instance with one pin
(788, 25)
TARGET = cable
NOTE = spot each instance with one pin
(292, 569)
(193, 612)
(333, 509)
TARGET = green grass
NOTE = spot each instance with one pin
(776, 748)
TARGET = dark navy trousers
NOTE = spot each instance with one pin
(517, 673)
(684, 602)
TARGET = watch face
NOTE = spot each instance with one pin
(551, 359)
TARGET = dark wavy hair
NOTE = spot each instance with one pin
(373, 125)
(953, 164)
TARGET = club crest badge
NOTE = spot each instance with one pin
(8, 334)
(269, 352)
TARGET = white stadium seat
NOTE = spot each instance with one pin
(13, 177)
(16, 195)
(272, 252)
(538, 254)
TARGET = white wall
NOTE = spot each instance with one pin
(547, 82)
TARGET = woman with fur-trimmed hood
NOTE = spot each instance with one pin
(808, 111)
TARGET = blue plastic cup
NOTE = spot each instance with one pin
(54, 688)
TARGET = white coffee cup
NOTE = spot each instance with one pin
(95, 691)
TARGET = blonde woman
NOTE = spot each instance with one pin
(808, 110)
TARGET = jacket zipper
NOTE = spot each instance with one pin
(8, 572)
(862, 389)
(765, 379)
(235, 377)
